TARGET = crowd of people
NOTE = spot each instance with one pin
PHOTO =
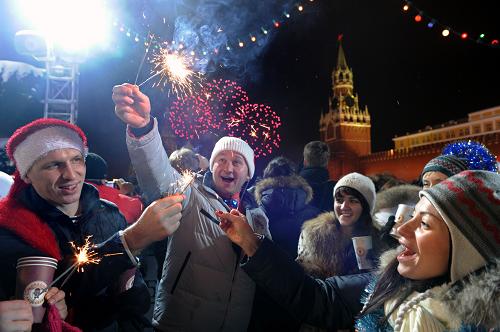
(294, 250)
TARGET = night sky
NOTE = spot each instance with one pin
(408, 75)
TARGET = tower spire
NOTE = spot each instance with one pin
(341, 61)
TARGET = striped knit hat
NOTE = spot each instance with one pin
(446, 164)
(469, 203)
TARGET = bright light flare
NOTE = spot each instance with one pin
(71, 25)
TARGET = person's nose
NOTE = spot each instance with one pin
(229, 167)
(345, 205)
(69, 171)
(407, 229)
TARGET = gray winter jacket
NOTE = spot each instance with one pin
(202, 286)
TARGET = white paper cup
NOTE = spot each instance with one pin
(362, 246)
(403, 214)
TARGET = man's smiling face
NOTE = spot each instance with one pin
(230, 172)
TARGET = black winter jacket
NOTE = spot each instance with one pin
(285, 200)
(319, 180)
(331, 304)
(92, 296)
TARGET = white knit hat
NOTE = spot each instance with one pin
(235, 144)
(363, 184)
(39, 137)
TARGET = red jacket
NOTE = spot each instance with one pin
(130, 207)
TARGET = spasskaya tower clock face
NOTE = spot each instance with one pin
(349, 100)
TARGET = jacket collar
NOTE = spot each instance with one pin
(89, 198)
(315, 174)
(290, 182)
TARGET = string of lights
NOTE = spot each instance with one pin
(237, 43)
(423, 18)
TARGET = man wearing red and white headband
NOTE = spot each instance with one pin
(49, 206)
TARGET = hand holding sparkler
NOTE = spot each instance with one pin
(55, 296)
(131, 105)
(237, 229)
(159, 220)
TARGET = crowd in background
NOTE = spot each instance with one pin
(237, 254)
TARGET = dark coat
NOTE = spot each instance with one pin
(332, 303)
(319, 180)
(29, 226)
(285, 200)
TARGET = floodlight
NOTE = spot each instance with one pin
(32, 43)
(72, 25)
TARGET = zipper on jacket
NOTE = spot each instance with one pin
(183, 266)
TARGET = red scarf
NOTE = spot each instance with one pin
(31, 229)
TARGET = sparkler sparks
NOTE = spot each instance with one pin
(85, 254)
(175, 68)
(179, 186)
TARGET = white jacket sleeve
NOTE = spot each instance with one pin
(155, 174)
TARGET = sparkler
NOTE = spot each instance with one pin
(179, 186)
(175, 68)
(84, 255)
(186, 180)
(151, 36)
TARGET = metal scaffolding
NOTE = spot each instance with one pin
(61, 90)
(61, 74)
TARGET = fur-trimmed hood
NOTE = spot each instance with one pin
(475, 300)
(319, 246)
(325, 251)
(283, 195)
(390, 198)
(293, 181)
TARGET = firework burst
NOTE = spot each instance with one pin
(258, 125)
(195, 115)
(192, 117)
(224, 97)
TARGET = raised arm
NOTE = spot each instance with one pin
(149, 158)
